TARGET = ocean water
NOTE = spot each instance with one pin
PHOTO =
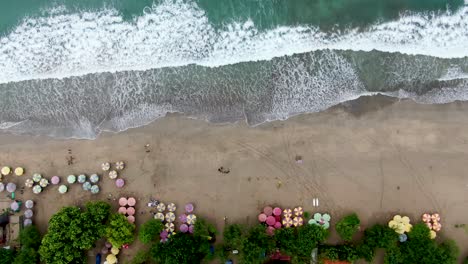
(71, 69)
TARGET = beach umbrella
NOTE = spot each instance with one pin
(287, 222)
(171, 207)
(94, 189)
(159, 216)
(270, 220)
(277, 225)
(119, 183)
(112, 174)
(71, 179)
(432, 234)
(403, 238)
(19, 171)
(287, 213)
(298, 221)
(29, 204)
(43, 182)
(27, 222)
(94, 178)
(2, 186)
(108, 244)
(435, 217)
(270, 230)
(277, 211)
(62, 189)
(55, 180)
(191, 219)
(131, 219)
(426, 217)
(163, 234)
(36, 177)
(131, 201)
(189, 208)
(122, 201)
(87, 186)
(268, 210)
(170, 217)
(28, 213)
(37, 189)
(115, 250)
(111, 259)
(262, 217)
(122, 210)
(298, 211)
(119, 165)
(191, 228)
(15, 206)
(131, 211)
(11, 187)
(169, 227)
(429, 225)
(161, 207)
(183, 228)
(436, 226)
(81, 178)
(183, 218)
(29, 183)
(6, 170)
(105, 166)
(104, 250)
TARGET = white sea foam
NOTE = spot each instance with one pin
(174, 33)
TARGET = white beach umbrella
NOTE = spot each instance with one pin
(81, 178)
(36, 177)
(94, 178)
(105, 166)
(37, 189)
(11, 187)
(87, 186)
(94, 189)
(2, 186)
(28, 213)
(63, 189)
(71, 179)
(29, 204)
(43, 182)
(119, 165)
(29, 183)
(112, 174)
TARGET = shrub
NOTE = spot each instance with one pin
(181, 248)
(233, 235)
(348, 226)
(119, 231)
(7, 256)
(256, 245)
(141, 257)
(30, 237)
(375, 237)
(340, 252)
(27, 256)
(150, 231)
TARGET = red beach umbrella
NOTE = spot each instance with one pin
(270, 220)
(270, 230)
(131, 211)
(268, 210)
(123, 201)
(262, 218)
(131, 218)
(122, 210)
(131, 201)
(278, 225)
(277, 211)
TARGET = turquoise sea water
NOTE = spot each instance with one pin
(75, 68)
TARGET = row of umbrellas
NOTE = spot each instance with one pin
(119, 165)
(6, 170)
(9, 187)
(276, 217)
(112, 257)
(127, 208)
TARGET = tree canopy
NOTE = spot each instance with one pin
(149, 231)
(119, 231)
(348, 226)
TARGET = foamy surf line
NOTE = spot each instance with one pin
(176, 33)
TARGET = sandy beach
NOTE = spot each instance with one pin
(375, 156)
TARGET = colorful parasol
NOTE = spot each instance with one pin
(298, 221)
(62, 189)
(268, 210)
(6, 170)
(71, 179)
(87, 186)
(94, 189)
(11, 187)
(122, 201)
(111, 259)
(105, 166)
(277, 225)
(119, 165)
(183, 218)
(161, 207)
(104, 250)
(433, 234)
(94, 178)
(270, 230)
(287, 222)
(28, 213)
(298, 211)
(426, 217)
(287, 213)
(15, 206)
(38, 189)
(2, 186)
(36, 177)
(19, 171)
(270, 220)
(189, 208)
(131, 219)
(170, 217)
(27, 222)
(163, 234)
(159, 216)
(435, 217)
(122, 210)
(131, 211)
(29, 183)
(119, 183)
(55, 180)
(169, 227)
(277, 211)
(115, 250)
(436, 226)
(112, 174)
(262, 217)
(43, 182)
(131, 201)
(29, 204)
(191, 228)
(81, 178)
(191, 219)
(171, 207)
(429, 225)
(183, 228)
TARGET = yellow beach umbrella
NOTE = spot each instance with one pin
(111, 259)
(159, 216)
(6, 170)
(19, 171)
(115, 250)
(170, 217)
(287, 213)
(169, 227)
(287, 222)
(433, 234)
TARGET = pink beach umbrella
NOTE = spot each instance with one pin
(104, 250)
(270, 220)
(11, 187)
(119, 183)
(270, 230)
(123, 201)
(278, 225)
(14, 206)
(122, 210)
(131, 211)
(277, 211)
(29, 204)
(268, 210)
(108, 244)
(262, 218)
(131, 218)
(28, 213)
(183, 218)
(191, 228)
(183, 228)
(163, 234)
(27, 222)
(189, 208)
(131, 201)
(55, 180)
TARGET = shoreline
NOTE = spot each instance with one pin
(375, 156)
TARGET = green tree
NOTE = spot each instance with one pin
(233, 236)
(150, 231)
(256, 245)
(348, 226)
(141, 257)
(181, 248)
(375, 237)
(119, 231)
(7, 256)
(27, 256)
(30, 237)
